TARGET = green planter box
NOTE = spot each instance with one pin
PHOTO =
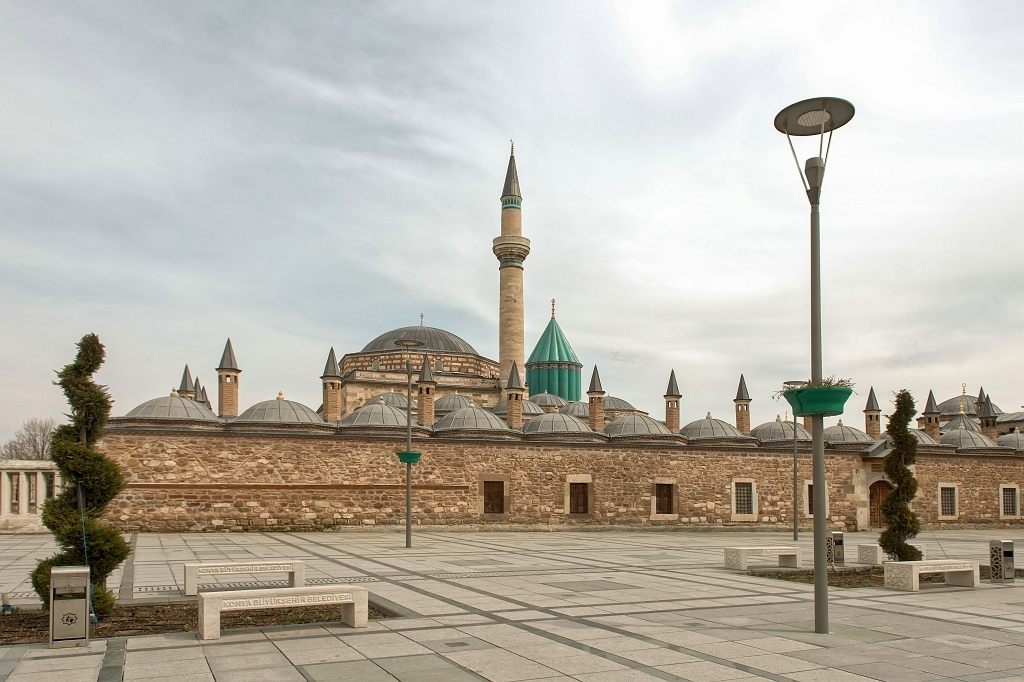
(409, 457)
(828, 401)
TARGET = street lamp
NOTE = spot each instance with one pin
(408, 457)
(796, 466)
(816, 117)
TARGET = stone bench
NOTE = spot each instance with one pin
(874, 556)
(353, 599)
(906, 575)
(736, 557)
(296, 571)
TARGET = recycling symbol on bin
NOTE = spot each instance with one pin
(69, 619)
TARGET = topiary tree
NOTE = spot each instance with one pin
(902, 524)
(73, 448)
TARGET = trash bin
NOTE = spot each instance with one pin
(835, 551)
(69, 606)
(1000, 553)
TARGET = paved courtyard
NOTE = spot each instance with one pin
(545, 606)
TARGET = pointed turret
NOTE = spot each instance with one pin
(197, 390)
(511, 188)
(672, 396)
(742, 403)
(931, 417)
(595, 394)
(982, 397)
(227, 383)
(931, 407)
(425, 385)
(872, 416)
(331, 378)
(514, 404)
(987, 416)
(187, 389)
(331, 369)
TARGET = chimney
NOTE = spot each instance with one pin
(596, 396)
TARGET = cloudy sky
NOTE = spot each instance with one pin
(305, 175)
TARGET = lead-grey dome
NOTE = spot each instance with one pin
(613, 404)
(396, 400)
(1014, 440)
(547, 400)
(172, 407)
(375, 414)
(923, 438)
(955, 423)
(780, 431)
(470, 418)
(951, 407)
(553, 422)
(708, 428)
(434, 340)
(280, 411)
(451, 403)
(529, 409)
(636, 425)
(841, 433)
(577, 409)
(965, 439)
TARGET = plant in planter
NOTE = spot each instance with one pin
(826, 398)
(83, 467)
(902, 523)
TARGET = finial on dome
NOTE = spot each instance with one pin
(778, 418)
(280, 395)
(840, 423)
(174, 393)
(786, 418)
(513, 144)
(709, 416)
(421, 319)
(380, 400)
(552, 308)
(962, 427)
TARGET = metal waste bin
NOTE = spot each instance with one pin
(835, 551)
(69, 606)
(1000, 560)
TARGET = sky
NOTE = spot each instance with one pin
(297, 176)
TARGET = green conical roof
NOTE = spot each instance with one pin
(553, 346)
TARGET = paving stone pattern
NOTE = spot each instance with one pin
(586, 606)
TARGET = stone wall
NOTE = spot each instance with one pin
(977, 480)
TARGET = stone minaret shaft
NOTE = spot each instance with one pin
(511, 249)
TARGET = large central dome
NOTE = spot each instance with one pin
(437, 340)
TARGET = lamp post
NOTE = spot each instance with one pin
(408, 457)
(796, 466)
(816, 117)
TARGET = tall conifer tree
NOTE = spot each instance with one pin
(902, 523)
(73, 448)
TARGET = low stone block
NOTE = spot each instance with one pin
(737, 557)
(906, 575)
(874, 556)
(296, 571)
(354, 601)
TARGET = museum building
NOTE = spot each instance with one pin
(514, 443)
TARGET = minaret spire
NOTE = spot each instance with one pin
(511, 249)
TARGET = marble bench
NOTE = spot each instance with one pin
(874, 556)
(211, 604)
(296, 571)
(906, 575)
(736, 557)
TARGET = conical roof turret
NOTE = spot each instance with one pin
(187, 385)
(673, 388)
(514, 382)
(227, 359)
(931, 407)
(872, 404)
(741, 390)
(595, 382)
(426, 376)
(982, 397)
(553, 346)
(331, 369)
(511, 188)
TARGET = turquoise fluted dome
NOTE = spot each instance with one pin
(553, 366)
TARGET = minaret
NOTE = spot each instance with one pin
(511, 249)
(596, 395)
(672, 396)
(227, 383)
(425, 384)
(872, 416)
(742, 402)
(931, 417)
(514, 406)
(188, 387)
(331, 379)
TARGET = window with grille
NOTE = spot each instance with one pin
(663, 501)
(15, 485)
(947, 501)
(494, 497)
(578, 502)
(1010, 502)
(810, 499)
(744, 498)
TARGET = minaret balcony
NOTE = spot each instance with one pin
(511, 248)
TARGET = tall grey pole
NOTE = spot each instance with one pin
(796, 486)
(408, 448)
(814, 170)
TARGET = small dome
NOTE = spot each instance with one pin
(553, 422)
(961, 419)
(376, 414)
(470, 418)
(391, 399)
(451, 403)
(841, 433)
(172, 407)
(965, 439)
(529, 409)
(613, 404)
(577, 409)
(1013, 440)
(434, 340)
(637, 425)
(280, 411)
(709, 428)
(923, 438)
(780, 431)
(548, 400)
